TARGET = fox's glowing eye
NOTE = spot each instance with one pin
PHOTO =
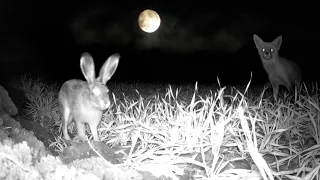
(263, 50)
(271, 50)
(96, 91)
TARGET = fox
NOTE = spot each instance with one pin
(280, 70)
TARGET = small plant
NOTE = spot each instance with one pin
(43, 104)
(40, 108)
(29, 85)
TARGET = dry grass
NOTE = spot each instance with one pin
(166, 127)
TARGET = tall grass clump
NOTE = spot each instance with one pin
(42, 103)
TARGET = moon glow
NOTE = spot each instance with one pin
(149, 21)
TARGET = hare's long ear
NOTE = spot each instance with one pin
(87, 67)
(108, 68)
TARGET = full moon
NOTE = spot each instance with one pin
(149, 21)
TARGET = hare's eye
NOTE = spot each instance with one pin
(96, 91)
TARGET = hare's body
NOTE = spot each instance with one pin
(84, 102)
(82, 112)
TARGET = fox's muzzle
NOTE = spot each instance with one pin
(267, 53)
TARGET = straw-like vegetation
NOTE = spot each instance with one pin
(170, 129)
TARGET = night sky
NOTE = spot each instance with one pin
(196, 41)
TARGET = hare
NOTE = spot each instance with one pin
(84, 102)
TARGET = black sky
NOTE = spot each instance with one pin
(197, 40)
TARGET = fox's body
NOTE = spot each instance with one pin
(281, 71)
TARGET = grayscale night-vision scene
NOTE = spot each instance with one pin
(159, 89)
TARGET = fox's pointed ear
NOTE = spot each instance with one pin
(257, 40)
(277, 42)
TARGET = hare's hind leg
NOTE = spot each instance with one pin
(66, 119)
(81, 131)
